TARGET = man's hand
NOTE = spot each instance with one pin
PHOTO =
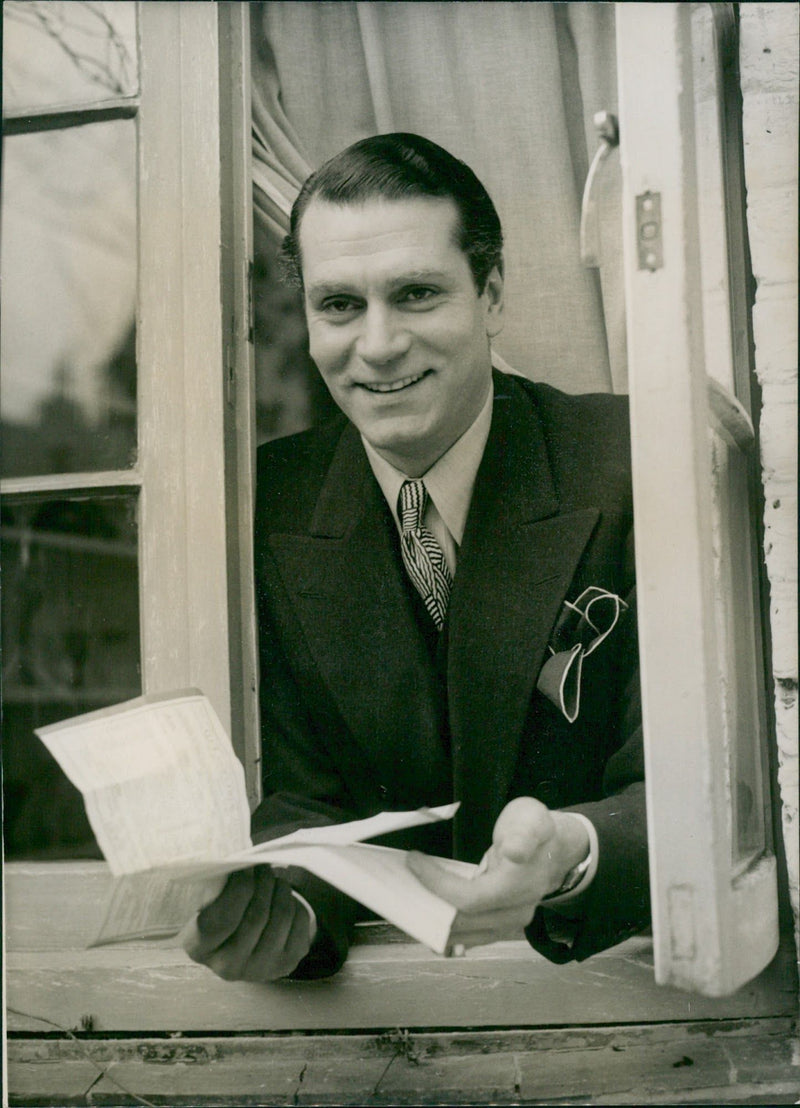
(532, 851)
(255, 930)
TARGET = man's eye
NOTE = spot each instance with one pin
(338, 305)
(418, 294)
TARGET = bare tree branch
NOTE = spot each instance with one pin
(110, 72)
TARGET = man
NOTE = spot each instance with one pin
(423, 562)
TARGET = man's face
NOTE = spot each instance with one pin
(396, 325)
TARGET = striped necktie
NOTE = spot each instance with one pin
(422, 556)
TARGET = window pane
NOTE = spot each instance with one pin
(70, 630)
(68, 400)
(67, 53)
(740, 673)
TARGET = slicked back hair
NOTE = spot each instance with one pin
(396, 167)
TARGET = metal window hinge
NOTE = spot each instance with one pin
(649, 242)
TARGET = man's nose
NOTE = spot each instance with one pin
(382, 338)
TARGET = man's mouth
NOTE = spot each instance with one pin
(393, 386)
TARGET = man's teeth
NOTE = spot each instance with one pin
(394, 386)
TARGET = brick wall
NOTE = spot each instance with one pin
(769, 76)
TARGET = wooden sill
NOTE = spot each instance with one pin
(747, 1062)
(140, 1023)
(53, 910)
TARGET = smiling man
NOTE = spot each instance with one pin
(397, 326)
(445, 589)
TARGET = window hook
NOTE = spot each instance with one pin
(607, 127)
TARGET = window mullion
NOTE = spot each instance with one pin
(58, 484)
(240, 430)
(181, 389)
(69, 115)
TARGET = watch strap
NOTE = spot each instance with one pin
(572, 878)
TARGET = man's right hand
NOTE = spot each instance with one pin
(255, 930)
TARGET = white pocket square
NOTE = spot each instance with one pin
(581, 627)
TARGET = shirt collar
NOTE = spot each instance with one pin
(450, 480)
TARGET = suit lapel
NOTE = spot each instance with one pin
(516, 563)
(346, 582)
(517, 560)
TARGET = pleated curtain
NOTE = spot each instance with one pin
(512, 89)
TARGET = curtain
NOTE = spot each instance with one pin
(511, 88)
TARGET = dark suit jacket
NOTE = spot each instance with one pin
(365, 708)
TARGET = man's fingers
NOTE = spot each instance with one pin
(505, 886)
(277, 955)
(504, 923)
(254, 931)
(523, 828)
(471, 939)
(437, 878)
(218, 920)
(485, 928)
(258, 911)
(231, 957)
(264, 915)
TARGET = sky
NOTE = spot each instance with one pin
(68, 245)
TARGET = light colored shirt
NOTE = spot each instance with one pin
(449, 482)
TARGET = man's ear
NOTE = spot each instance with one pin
(493, 301)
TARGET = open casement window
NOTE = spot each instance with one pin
(120, 398)
(187, 491)
(713, 867)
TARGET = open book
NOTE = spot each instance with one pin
(165, 796)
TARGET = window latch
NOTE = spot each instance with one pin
(607, 129)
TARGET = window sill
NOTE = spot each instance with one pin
(722, 1063)
(53, 910)
(398, 1025)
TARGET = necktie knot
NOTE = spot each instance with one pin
(422, 556)
(412, 502)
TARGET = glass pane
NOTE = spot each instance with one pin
(290, 394)
(740, 675)
(67, 352)
(67, 53)
(70, 630)
(739, 670)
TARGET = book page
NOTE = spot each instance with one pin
(159, 778)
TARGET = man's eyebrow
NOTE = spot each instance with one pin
(418, 277)
(331, 288)
(344, 288)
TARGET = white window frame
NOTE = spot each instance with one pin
(186, 573)
(238, 320)
(715, 925)
(181, 355)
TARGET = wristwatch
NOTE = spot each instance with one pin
(572, 878)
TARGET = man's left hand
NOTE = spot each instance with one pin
(532, 851)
